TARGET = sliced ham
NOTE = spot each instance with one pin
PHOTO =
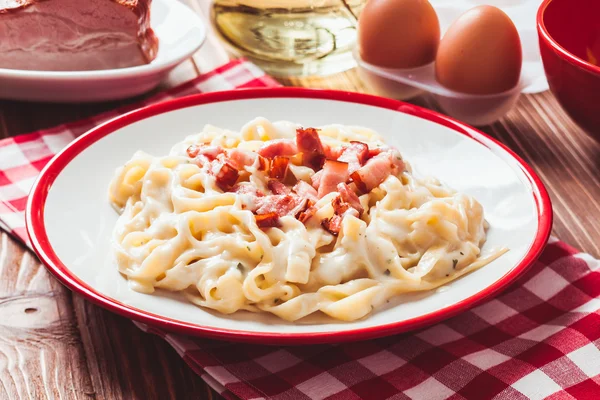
(309, 144)
(355, 154)
(75, 35)
(376, 170)
(305, 191)
(279, 167)
(334, 173)
(278, 147)
(348, 196)
(268, 220)
(277, 187)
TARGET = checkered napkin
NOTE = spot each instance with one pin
(540, 338)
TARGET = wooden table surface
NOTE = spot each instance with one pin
(53, 344)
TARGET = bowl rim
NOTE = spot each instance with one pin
(549, 40)
(35, 221)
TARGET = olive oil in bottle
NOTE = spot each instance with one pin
(290, 37)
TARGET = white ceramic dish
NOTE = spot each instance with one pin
(180, 33)
(70, 220)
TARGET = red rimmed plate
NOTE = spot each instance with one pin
(70, 221)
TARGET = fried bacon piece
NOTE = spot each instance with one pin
(332, 153)
(240, 158)
(308, 141)
(374, 152)
(305, 190)
(334, 173)
(306, 212)
(356, 178)
(316, 179)
(333, 225)
(314, 161)
(340, 206)
(347, 203)
(348, 196)
(280, 204)
(279, 167)
(226, 176)
(356, 155)
(309, 144)
(246, 188)
(268, 220)
(210, 152)
(193, 151)
(277, 187)
(278, 147)
(376, 170)
(342, 209)
(264, 164)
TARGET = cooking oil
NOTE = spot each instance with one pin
(293, 37)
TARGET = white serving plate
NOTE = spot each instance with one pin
(70, 220)
(180, 32)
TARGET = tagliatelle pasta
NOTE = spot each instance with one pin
(291, 221)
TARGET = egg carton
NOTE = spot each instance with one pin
(474, 109)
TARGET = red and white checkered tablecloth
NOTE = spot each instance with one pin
(539, 339)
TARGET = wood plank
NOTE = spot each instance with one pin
(41, 355)
(125, 362)
(55, 345)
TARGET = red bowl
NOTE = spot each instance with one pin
(569, 35)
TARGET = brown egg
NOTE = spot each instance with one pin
(398, 33)
(480, 53)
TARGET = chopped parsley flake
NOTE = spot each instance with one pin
(248, 247)
(276, 301)
(240, 266)
(389, 260)
(454, 262)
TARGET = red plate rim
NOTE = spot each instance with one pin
(39, 239)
